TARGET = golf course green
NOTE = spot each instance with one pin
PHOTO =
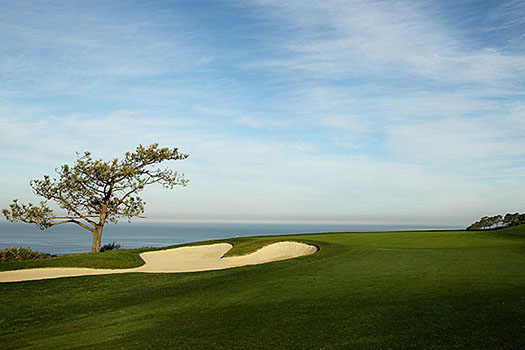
(380, 290)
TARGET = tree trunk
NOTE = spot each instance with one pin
(97, 233)
(97, 239)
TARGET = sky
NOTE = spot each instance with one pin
(329, 111)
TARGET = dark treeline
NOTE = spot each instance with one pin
(498, 221)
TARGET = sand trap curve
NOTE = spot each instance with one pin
(183, 259)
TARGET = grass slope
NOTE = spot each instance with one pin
(396, 290)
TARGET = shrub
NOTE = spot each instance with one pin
(110, 246)
(21, 253)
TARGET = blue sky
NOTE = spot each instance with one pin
(300, 111)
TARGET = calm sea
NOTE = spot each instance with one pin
(69, 239)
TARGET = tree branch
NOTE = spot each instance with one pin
(70, 207)
(73, 221)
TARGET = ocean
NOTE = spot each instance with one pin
(70, 239)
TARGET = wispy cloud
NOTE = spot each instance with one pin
(404, 39)
(289, 109)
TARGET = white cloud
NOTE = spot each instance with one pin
(344, 110)
(488, 143)
(346, 123)
(336, 39)
(246, 178)
(262, 122)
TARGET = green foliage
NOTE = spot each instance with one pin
(399, 290)
(20, 254)
(40, 214)
(498, 221)
(110, 246)
(93, 192)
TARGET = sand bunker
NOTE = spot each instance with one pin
(184, 259)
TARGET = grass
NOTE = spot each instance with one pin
(116, 259)
(390, 290)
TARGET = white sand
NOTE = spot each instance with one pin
(184, 259)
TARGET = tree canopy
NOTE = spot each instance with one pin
(498, 221)
(93, 192)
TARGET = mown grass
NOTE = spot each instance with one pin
(395, 290)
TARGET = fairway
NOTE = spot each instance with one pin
(385, 290)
